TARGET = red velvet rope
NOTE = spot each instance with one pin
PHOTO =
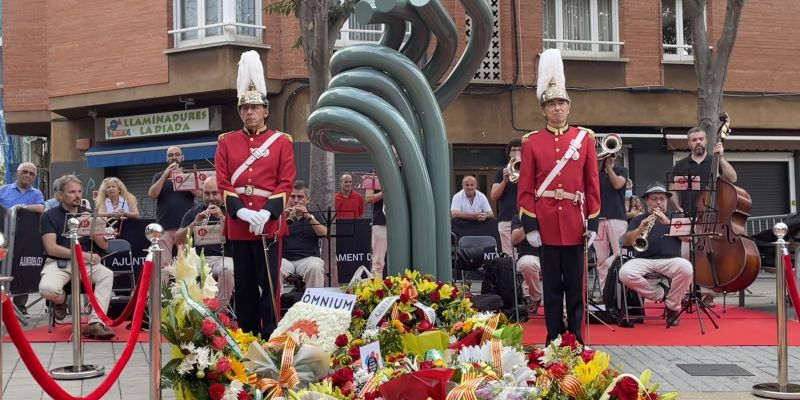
(791, 281)
(87, 284)
(41, 375)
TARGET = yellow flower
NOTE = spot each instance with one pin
(358, 342)
(445, 292)
(468, 326)
(237, 371)
(399, 326)
(412, 275)
(466, 304)
(426, 287)
(242, 338)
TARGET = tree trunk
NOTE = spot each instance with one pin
(314, 30)
(711, 67)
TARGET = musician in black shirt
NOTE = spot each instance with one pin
(301, 248)
(662, 255)
(57, 270)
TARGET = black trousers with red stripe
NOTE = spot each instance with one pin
(254, 299)
(562, 278)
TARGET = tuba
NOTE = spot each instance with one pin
(610, 146)
(513, 168)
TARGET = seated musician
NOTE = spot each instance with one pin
(57, 270)
(660, 253)
(528, 265)
(301, 248)
(217, 257)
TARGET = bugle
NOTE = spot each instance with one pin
(610, 145)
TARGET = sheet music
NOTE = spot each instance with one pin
(681, 182)
(91, 225)
(188, 181)
(208, 234)
(680, 226)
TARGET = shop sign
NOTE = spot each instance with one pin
(182, 121)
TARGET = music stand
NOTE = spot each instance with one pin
(690, 184)
(329, 215)
(211, 233)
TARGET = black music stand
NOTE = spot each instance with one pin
(694, 185)
(329, 215)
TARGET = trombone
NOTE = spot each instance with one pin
(609, 146)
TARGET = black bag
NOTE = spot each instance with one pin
(469, 258)
(295, 295)
(612, 297)
(487, 302)
(499, 279)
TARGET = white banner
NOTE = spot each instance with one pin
(329, 299)
(182, 121)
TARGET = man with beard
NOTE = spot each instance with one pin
(57, 270)
(698, 164)
(255, 172)
(217, 256)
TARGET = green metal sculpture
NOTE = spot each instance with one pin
(380, 102)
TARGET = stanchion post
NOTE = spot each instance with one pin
(153, 232)
(4, 280)
(781, 389)
(77, 370)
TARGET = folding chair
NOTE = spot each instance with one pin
(627, 254)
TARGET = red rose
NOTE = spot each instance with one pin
(358, 313)
(209, 327)
(435, 296)
(404, 297)
(454, 294)
(587, 355)
(388, 283)
(216, 391)
(405, 317)
(342, 376)
(379, 293)
(535, 359)
(355, 353)
(243, 395)
(569, 340)
(341, 340)
(424, 326)
(223, 365)
(225, 319)
(219, 343)
(626, 389)
(212, 303)
(419, 313)
(558, 370)
(212, 376)
(439, 284)
(372, 395)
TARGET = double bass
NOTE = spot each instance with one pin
(726, 260)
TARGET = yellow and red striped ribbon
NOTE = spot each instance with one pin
(490, 328)
(497, 356)
(288, 377)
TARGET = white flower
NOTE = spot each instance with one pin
(370, 334)
(203, 360)
(185, 366)
(232, 391)
(510, 357)
(188, 347)
(361, 376)
(328, 323)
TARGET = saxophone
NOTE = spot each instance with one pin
(641, 244)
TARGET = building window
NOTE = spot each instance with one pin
(210, 21)
(582, 28)
(676, 31)
(353, 32)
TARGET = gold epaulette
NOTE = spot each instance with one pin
(589, 131)
(288, 136)
(525, 136)
(219, 138)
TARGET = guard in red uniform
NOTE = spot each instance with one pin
(255, 173)
(559, 199)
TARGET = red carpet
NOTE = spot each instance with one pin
(62, 333)
(737, 327)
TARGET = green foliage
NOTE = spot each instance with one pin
(284, 7)
(338, 12)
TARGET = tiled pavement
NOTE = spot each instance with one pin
(761, 361)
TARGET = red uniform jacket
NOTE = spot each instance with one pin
(273, 173)
(560, 222)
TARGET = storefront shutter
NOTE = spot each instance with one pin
(768, 185)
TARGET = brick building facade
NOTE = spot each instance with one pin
(69, 67)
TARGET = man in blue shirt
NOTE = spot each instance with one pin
(22, 193)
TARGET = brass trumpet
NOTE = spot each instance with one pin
(641, 243)
(610, 146)
(292, 215)
(513, 168)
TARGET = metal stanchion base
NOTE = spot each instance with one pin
(72, 373)
(773, 391)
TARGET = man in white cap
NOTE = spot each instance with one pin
(559, 186)
(255, 173)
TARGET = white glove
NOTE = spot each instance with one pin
(259, 229)
(592, 237)
(252, 217)
(534, 238)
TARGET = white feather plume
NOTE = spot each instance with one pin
(250, 70)
(551, 67)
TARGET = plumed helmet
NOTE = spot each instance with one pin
(551, 83)
(251, 87)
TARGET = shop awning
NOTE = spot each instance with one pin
(148, 153)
